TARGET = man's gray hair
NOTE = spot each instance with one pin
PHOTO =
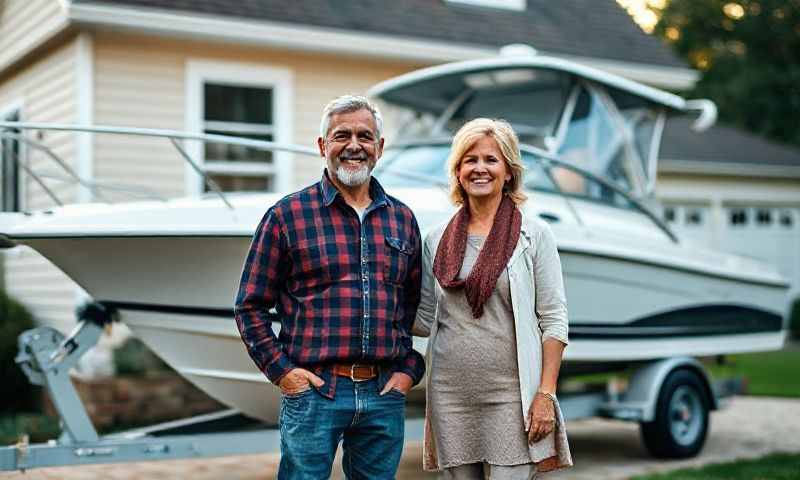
(347, 104)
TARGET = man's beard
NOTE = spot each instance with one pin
(353, 178)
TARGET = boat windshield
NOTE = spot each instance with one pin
(423, 166)
(530, 99)
(611, 132)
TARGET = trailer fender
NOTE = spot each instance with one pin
(645, 383)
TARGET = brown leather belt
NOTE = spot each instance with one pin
(355, 371)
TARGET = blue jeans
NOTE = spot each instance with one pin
(370, 427)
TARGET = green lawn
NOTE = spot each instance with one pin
(780, 466)
(774, 374)
(771, 374)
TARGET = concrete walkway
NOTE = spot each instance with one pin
(749, 427)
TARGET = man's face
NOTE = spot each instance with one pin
(351, 147)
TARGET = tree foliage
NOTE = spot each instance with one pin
(749, 55)
(16, 393)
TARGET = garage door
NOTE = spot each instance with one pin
(766, 233)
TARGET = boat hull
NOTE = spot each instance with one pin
(176, 294)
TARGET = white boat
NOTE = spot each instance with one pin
(635, 291)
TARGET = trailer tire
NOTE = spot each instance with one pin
(682, 417)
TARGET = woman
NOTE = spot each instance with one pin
(493, 306)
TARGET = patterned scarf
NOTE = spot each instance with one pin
(491, 261)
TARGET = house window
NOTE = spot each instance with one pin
(694, 216)
(669, 214)
(518, 5)
(9, 167)
(247, 100)
(738, 217)
(785, 218)
(763, 217)
(240, 111)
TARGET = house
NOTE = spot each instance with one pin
(734, 191)
(262, 69)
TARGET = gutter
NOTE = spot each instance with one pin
(729, 169)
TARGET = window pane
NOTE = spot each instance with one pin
(786, 218)
(575, 184)
(694, 216)
(764, 217)
(592, 141)
(223, 152)
(669, 214)
(738, 216)
(535, 176)
(226, 103)
(530, 100)
(232, 183)
(642, 123)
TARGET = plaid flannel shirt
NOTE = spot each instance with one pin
(345, 290)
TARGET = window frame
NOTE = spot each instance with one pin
(278, 79)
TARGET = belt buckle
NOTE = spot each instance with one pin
(353, 374)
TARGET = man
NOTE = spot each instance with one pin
(340, 262)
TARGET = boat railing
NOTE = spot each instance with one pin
(547, 161)
(13, 131)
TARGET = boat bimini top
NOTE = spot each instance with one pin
(592, 119)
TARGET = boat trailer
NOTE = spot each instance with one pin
(46, 357)
(673, 411)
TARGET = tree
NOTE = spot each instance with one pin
(749, 54)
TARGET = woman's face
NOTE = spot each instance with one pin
(482, 171)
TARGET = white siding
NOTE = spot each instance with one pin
(25, 24)
(141, 82)
(716, 196)
(45, 90)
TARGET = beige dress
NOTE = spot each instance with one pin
(475, 396)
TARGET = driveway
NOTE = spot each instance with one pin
(748, 427)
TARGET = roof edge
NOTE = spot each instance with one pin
(59, 28)
(728, 168)
(531, 61)
(328, 40)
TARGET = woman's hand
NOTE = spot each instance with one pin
(541, 418)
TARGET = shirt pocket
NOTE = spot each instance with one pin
(397, 254)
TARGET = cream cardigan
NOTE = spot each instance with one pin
(540, 312)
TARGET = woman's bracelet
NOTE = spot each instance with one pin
(548, 395)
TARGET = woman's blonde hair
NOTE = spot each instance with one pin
(506, 139)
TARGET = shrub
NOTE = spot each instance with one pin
(16, 393)
(134, 358)
(38, 427)
(794, 319)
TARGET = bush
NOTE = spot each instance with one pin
(134, 358)
(16, 393)
(38, 427)
(794, 320)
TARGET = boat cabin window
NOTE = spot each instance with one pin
(241, 111)
(575, 184)
(530, 100)
(425, 166)
(611, 143)
(422, 166)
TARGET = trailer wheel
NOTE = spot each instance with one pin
(681, 422)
